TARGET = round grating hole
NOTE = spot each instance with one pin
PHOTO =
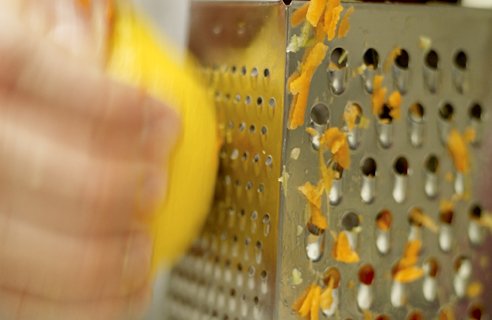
(401, 166)
(432, 60)
(384, 220)
(461, 60)
(369, 167)
(415, 315)
(476, 212)
(475, 312)
(446, 112)
(416, 112)
(475, 112)
(366, 274)
(254, 72)
(320, 114)
(432, 164)
(371, 58)
(332, 275)
(339, 58)
(266, 72)
(402, 60)
(259, 101)
(350, 221)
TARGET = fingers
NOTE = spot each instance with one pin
(67, 268)
(41, 71)
(22, 306)
(64, 189)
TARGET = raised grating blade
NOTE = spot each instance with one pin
(258, 251)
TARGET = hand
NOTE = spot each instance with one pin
(81, 166)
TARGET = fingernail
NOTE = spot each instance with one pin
(137, 264)
(161, 130)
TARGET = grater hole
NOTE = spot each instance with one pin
(251, 271)
(269, 161)
(272, 102)
(402, 60)
(245, 156)
(383, 317)
(266, 218)
(264, 130)
(415, 217)
(415, 315)
(432, 164)
(366, 274)
(259, 101)
(350, 221)
(256, 158)
(371, 58)
(320, 115)
(242, 126)
(446, 216)
(233, 69)
(432, 267)
(369, 167)
(475, 112)
(339, 58)
(416, 112)
(254, 72)
(261, 188)
(252, 128)
(249, 185)
(254, 215)
(446, 112)
(247, 100)
(244, 70)
(332, 275)
(266, 72)
(476, 212)
(475, 312)
(432, 59)
(461, 60)
(384, 220)
(401, 166)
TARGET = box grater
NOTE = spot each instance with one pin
(257, 254)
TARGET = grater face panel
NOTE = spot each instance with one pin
(230, 273)
(407, 162)
(256, 254)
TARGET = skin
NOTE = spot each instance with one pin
(81, 168)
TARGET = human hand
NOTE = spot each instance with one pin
(81, 166)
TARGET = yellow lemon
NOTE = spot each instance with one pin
(140, 57)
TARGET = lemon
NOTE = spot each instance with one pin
(139, 57)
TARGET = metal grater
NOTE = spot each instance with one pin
(255, 255)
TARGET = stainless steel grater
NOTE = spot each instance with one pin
(256, 254)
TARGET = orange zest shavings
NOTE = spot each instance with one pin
(299, 16)
(385, 110)
(308, 304)
(351, 115)
(313, 195)
(342, 251)
(378, 95)
(394, 103)
(459, 152)
(331, 18)
(344, 27)
(390, 58)
(470, 135)
(421, 218)
(335, 141)
(326, 299)
(407, 271)
(300, 85)
(474, 290)
(315, 11)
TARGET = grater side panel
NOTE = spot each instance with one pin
(230, 273)
(385, 27)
